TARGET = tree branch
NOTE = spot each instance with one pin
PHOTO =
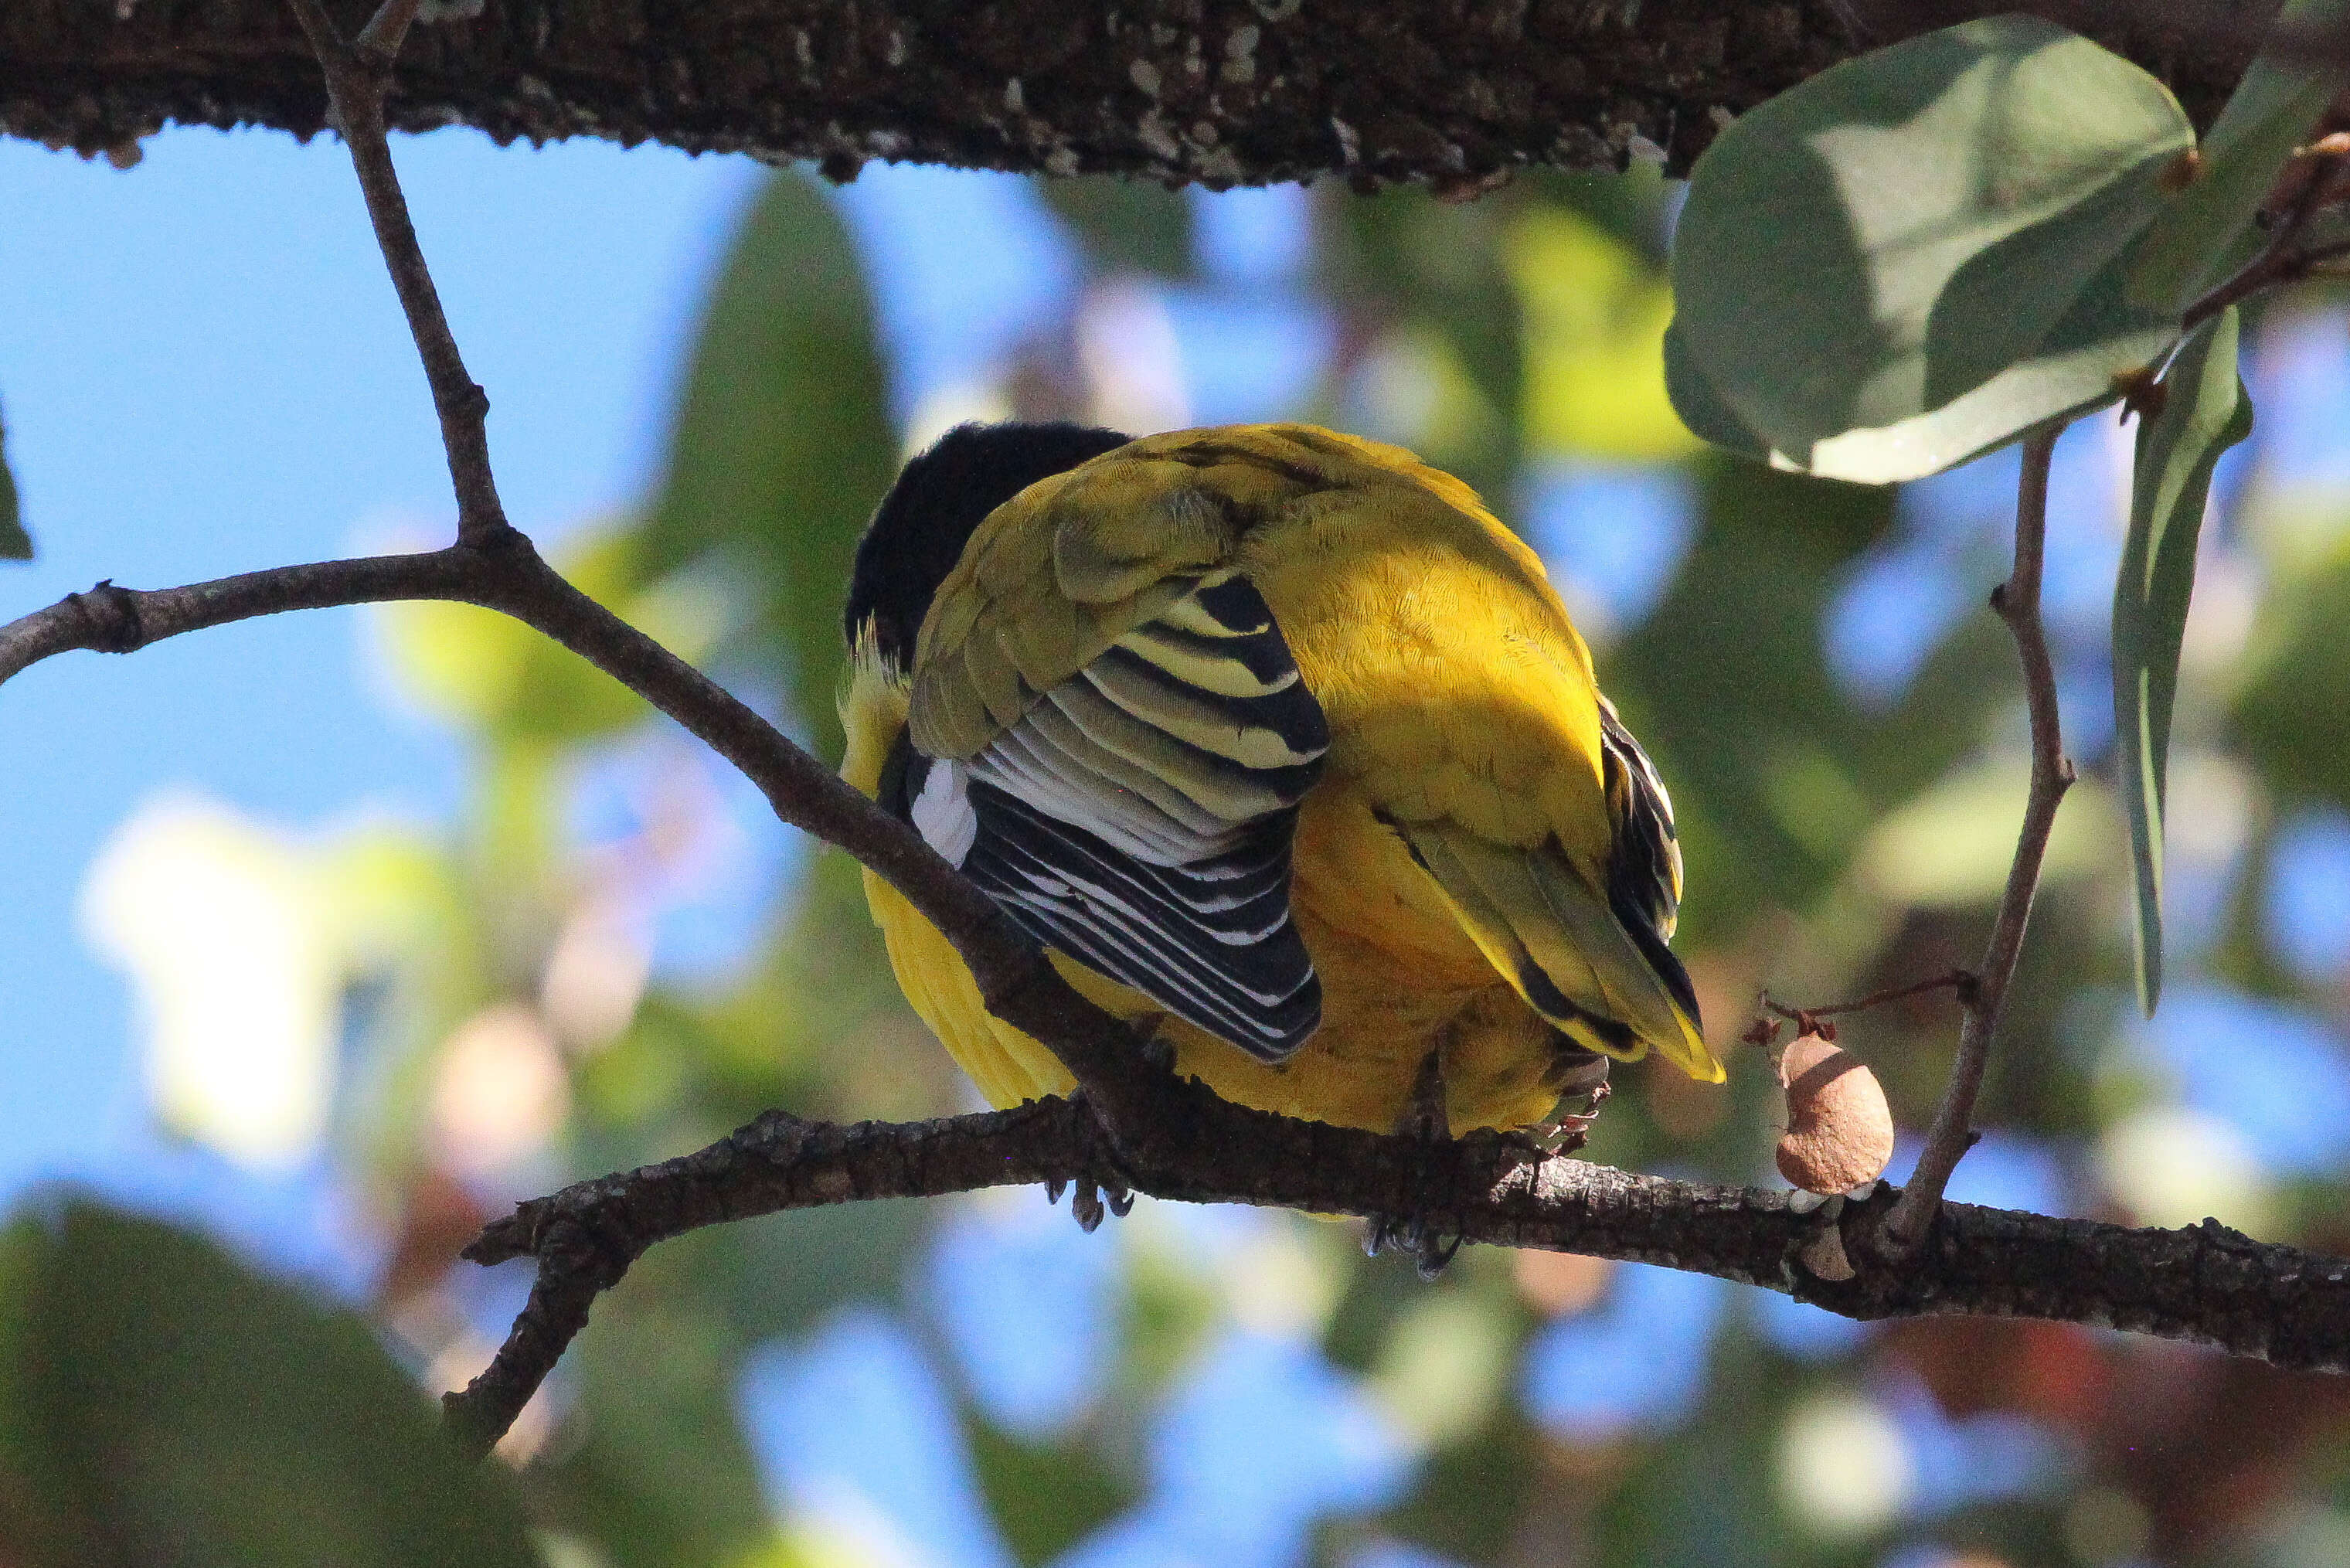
(356, 75)
(2205, 1284)
(2017, 600)
(1211, 90)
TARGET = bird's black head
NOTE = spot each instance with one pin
(930, 515)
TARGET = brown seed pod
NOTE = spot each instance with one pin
(1840, 1128)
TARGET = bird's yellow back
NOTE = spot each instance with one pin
(1459, 876)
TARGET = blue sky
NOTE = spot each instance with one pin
(204, 371)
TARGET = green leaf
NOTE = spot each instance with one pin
(784, 442)
(2194, 242)
(160, 1402)
(2205, 414)
(1125, 225)
(16, 545)
(1915, 257)
(1699, 404)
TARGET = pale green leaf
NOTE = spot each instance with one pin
(2204, 412)
(1914, 257)
(1949, 846)
(1596, 313)
(2194, 242)
(494, 674)
(160, 1402)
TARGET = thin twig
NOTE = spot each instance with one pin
(2284, 259)
(2017, 600)
(357, 77)
(2206, 1284)
(1957, 979)
(1013, 978)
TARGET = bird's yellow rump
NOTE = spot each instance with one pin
(1273, 736)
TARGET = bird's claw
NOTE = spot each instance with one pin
(1092, 1194)
(1425, 1121)
(1430, 1248)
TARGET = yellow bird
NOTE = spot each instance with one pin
(1274, 738)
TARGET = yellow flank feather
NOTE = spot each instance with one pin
(1451, 866)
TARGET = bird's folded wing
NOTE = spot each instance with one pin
(1111, 729)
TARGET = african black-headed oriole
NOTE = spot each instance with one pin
(1274, 736)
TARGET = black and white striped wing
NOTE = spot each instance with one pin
(1139, 816)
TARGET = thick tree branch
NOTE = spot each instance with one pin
(2205, 1284)
(2017, 600)
(1221, 91)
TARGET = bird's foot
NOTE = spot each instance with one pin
(1426, 1122)
(1430, 1248)
(1094, 1197)
(1581, 1079)
(1095, 1190)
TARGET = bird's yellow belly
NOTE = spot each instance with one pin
(1399, 979)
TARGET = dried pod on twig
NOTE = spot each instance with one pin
(1840, 1128)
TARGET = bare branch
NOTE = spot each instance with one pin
(357, 78)
(2205, 1284)
(2017, 600)
(379, 40)
(109, 619)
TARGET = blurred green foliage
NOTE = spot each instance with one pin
(783, 440)
(160, 1403)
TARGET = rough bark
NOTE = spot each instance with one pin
(1216, 91)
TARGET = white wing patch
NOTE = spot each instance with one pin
(943, 812)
